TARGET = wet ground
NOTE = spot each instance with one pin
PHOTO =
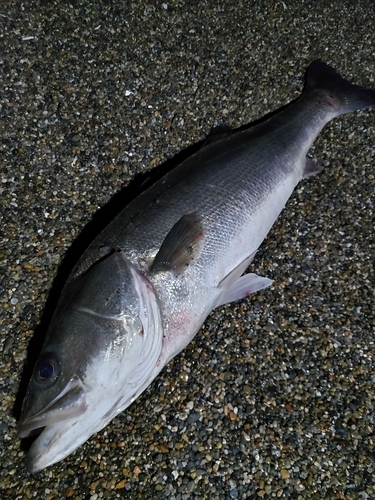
(275, 397)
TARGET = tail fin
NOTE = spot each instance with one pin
(342, 95)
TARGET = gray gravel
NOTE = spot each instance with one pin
(275, 397)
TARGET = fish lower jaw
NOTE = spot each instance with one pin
(46, 450)
(57, 441)
(60, 439)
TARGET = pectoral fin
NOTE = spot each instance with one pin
(181, 245)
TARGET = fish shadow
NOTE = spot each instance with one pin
(99, 221)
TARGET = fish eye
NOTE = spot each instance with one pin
(46, 369)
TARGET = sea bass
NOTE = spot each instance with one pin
(143, 288)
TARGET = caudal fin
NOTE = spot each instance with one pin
(342, 96)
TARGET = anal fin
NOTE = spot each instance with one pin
(236, 287)
(311, 168)
(243, 287)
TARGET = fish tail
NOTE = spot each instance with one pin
(341, 95)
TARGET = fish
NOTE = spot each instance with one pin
(145, 285)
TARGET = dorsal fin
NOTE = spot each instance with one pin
(217, 134)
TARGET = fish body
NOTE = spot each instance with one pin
(143, 288)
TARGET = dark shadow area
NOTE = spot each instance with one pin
(99, 221)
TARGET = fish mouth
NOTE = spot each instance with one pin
(69, 403)
(49, 447)
(53, 444)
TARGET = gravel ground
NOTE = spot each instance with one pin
(275, 397)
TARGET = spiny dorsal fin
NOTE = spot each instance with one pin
(181, 245)
(217, 134)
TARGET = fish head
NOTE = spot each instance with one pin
(100, 353)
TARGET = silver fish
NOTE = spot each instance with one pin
(141, 291)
